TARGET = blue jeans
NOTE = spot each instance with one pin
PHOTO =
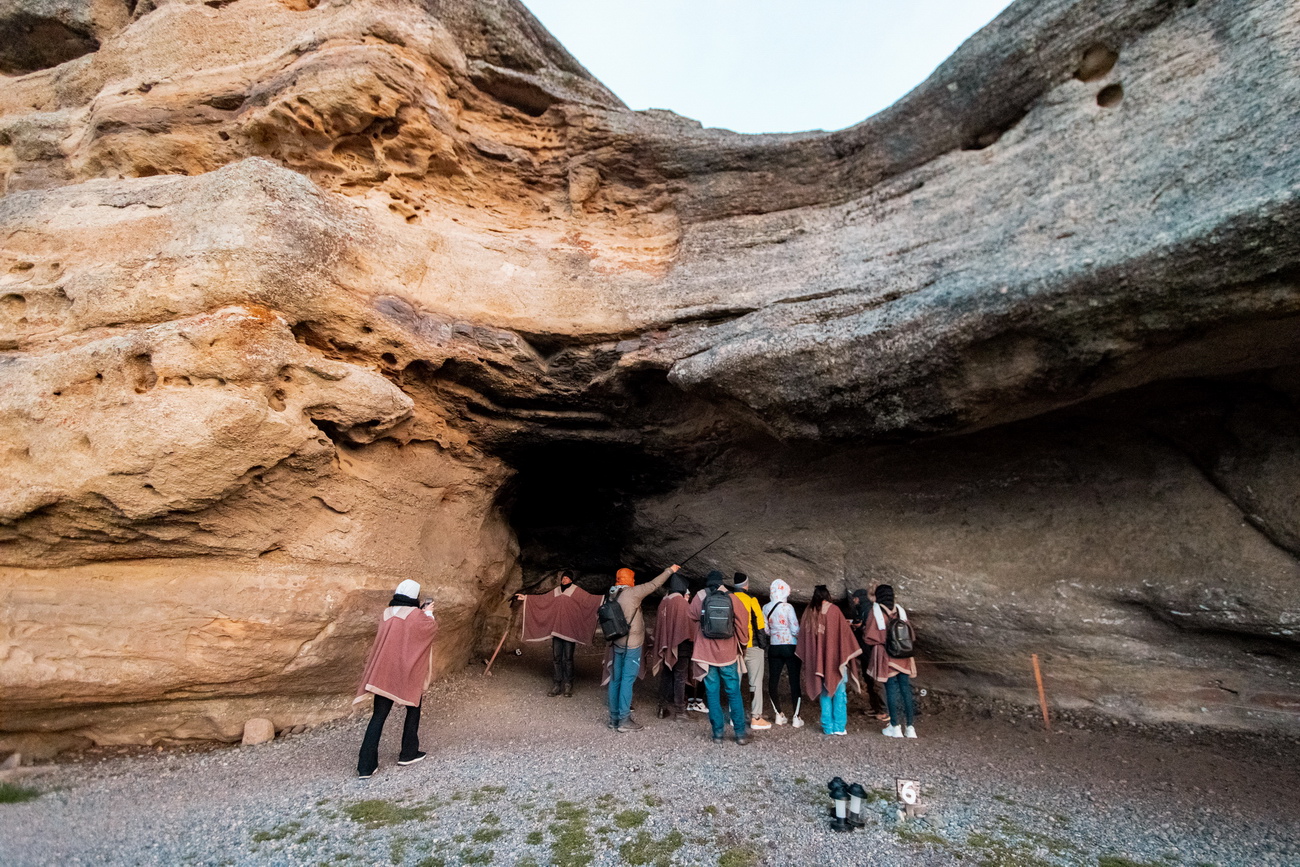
(835, 709)
(898, 695)
(627, 662)
(726, 677)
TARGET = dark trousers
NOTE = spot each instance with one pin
(562, 661)
(898, 692)
(369, 758)
(870, 684)
(672, 681)
(782, 656)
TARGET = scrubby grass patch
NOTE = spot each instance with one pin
(11, 793)
(486, 793)
(1121, 861)
(431, 861)
(488, 835)
(476, 856)
(738, 856)
(920, 836)
(279, 832)
(377, 813)
(572, 846)
(535, 838)
(645, 849)
(996, 852)
(631, 818)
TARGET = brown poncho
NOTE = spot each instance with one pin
(672, 627)
(718, 651)
(826, 649)
(563, 613)
(400, 664)
(881, 666)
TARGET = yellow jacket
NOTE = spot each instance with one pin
(755, 613)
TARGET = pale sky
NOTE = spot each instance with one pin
(763, 65)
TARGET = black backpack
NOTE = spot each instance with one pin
(900, 640)
(717, 618)
(613, 624)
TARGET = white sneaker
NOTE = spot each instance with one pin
(797, 723)
(780, 719)
(892, 732)
(910, 732)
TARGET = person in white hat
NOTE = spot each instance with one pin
(398, 671)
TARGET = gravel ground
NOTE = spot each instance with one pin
(516, 778)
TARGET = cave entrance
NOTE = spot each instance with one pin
(573, 505)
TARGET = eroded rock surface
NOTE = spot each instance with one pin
(297, 301)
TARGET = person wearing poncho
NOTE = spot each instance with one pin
(670, 651)
(826, 649)
(623, 655)
(719, 661)
(567, 616)
(895, 674)
(398, 671)
(860, 606)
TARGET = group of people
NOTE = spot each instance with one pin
(820, 653)
(715, 637)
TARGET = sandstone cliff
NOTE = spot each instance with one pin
(298, 300)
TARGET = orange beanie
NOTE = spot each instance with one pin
(625, 577)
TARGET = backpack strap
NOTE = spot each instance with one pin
(879, 614)
(902, 615)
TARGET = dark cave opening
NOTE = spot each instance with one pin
(572, 504)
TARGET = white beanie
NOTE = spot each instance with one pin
(409, 589)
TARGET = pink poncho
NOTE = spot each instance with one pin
(400, 664)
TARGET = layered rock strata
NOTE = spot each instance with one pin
(299, 301)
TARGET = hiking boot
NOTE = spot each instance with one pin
(910, 732)
(663, 713)
(892, 732)
(555, 690)
(742, 741)
(759, 723)
(629, 725)
(418, 757)
(568, 690)
(717, 739)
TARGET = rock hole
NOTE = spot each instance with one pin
(140, 372)
(23, 266)
(389, 358)
(1110, 95)
(366, 329)
(13, 305)
(223, 135)
(276, 400)
(331, 431)
(146, 171)
(1097, 61)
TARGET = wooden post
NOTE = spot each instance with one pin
(1042, 697)
(509, 623)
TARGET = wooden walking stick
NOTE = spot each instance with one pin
(1042, 696)
(509, 625)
